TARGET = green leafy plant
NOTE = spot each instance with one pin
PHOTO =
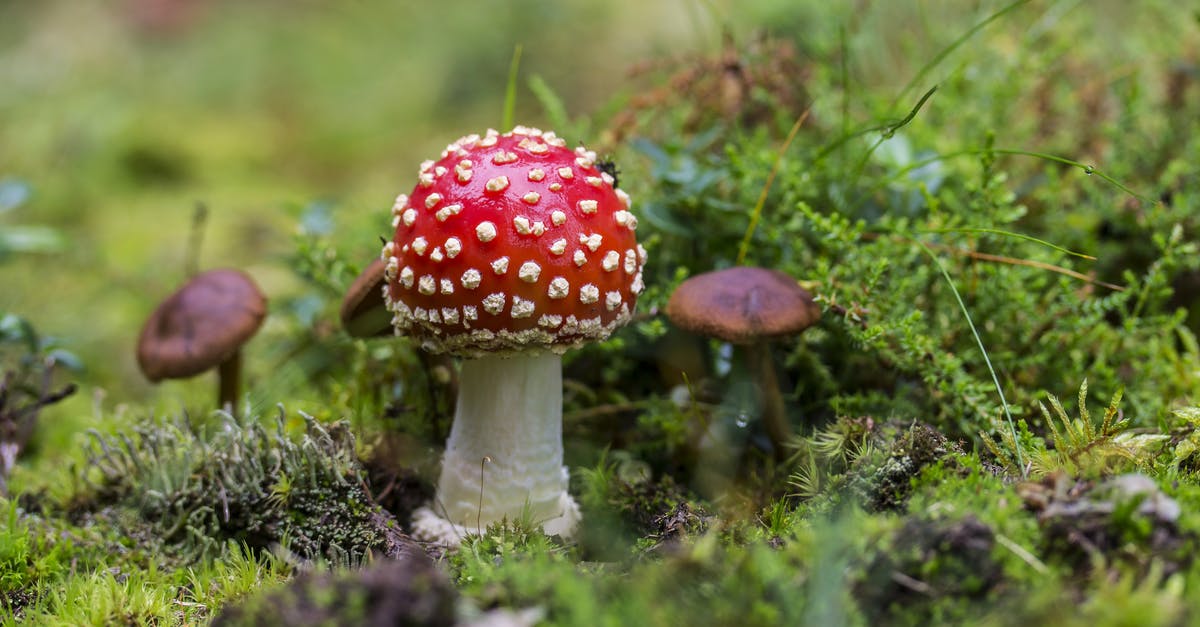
(29, 367)
(1080, 446)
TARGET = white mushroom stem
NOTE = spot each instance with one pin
(504, 456)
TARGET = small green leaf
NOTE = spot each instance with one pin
(30, 239)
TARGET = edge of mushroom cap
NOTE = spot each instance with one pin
(365, 295)
(742, 304)
(165, 345)
(479, 342)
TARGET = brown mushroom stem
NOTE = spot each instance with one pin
(774, 415)
(229, 377)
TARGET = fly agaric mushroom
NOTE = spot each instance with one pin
(202, 325)
(510, 250)
(748, 306)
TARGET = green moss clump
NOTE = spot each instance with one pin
(884, 485)
(31, 557)
(874, 466)
(241, 481)
(623, 506)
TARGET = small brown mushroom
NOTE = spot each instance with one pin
(363, 313)
(203, 324)
(748, 306)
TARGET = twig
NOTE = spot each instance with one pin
(48, 399)
(1015, 261)
(916, 585)
(604, 410)
(1022, 553)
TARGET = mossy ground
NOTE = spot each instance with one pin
(977, 250)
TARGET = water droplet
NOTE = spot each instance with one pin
(724, 361)
(1089, 170)
(742, 420)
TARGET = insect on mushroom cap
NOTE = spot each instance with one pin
(509, 243)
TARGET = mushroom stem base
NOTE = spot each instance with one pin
(429, 526)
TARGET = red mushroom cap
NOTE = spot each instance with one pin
(510, 243)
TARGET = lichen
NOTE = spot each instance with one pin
(199, 488)
(884, 484)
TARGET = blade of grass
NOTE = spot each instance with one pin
(510, 90)
(1014, 261)
(1041, 265)
(888, 132)
(916, 79)
(982, 349)
(1090, 170)
(844, 79)
(1012, 234)
(762, 196)
(945, 52)
(552, 105)
(886, 129)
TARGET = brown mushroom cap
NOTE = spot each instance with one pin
(364, 313)
(742, 305)
(201, 325)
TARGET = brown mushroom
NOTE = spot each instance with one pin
(202, 325)
(748, 306)
(365, 316)
(364, 313)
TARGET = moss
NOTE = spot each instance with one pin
(241, 482)
(623, 507)
(931, 569)
(1125, 520)
(884, 481)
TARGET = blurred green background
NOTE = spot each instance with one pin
(117, 118)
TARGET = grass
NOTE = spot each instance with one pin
(1024, 228)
